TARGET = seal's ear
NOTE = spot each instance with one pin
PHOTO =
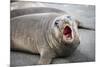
(77, 22)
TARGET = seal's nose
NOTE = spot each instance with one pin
(68, 16)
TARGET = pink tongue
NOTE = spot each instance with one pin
(67, 31)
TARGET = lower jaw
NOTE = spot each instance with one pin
(69, 39)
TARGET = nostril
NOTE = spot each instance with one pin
(69, 17)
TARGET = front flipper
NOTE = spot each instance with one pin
(45, 60)
(46, 56)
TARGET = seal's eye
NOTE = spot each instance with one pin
(56, 22)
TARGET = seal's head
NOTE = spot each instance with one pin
(66, 29)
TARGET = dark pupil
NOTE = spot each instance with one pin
(56, 23)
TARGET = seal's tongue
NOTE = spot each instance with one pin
(67, 32)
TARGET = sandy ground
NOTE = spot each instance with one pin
(84, 53)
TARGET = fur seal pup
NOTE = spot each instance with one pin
(48, 34)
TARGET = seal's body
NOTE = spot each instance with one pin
(34, 10)
(48, 34)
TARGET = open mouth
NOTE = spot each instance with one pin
(67, 32)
